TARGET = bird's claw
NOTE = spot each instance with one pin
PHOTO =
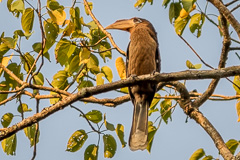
(154, 72)
(133, 75)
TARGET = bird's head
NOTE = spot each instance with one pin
(127, 24)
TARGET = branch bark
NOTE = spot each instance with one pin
(89, 91)
(193, 112)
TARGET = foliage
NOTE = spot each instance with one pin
(82, 51)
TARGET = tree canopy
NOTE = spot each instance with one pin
(60, 56)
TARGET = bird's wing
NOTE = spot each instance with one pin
(158, 60)
(127, 74)
(127, 59)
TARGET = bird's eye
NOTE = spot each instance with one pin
(137, 20)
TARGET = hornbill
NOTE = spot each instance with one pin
(142, 58)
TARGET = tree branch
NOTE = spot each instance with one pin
(223, 58)
(191, 110)
(89, 91)
(227, 14)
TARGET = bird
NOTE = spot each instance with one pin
(142, 57)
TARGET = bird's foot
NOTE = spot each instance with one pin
(133, 76)
(154, 72)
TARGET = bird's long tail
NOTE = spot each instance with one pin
(139, 132)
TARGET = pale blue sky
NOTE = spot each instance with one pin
(175, 141)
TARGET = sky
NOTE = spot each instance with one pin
(177, 139)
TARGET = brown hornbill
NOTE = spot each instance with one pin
(142, 58)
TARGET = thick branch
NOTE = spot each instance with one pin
(87, 92)
(195, 114)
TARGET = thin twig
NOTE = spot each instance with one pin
(102, 29)
(235, 8)
(230, 3)
(43, 45)
(85, 118)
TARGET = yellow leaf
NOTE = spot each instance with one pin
(183, 13)
(121, 68)
(5, 61)
(238, 110)
(99, 79)
(90, 4)
(58, 16)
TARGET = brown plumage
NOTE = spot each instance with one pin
(142, 58)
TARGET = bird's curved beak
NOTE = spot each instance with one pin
(125, 25)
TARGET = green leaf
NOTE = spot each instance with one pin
(16, 70)
(99, 79)
(208, 158)
(27, 20)
(188, 4)
(153, 105)
(23, 108)
(236, 84)
(6, 119)
(155, 101)
(110, 146)
(196, 23)
(51, 32)
(64, 50)
(139, 4)
(93, 64)
(53, 5)
(30, 134)
(166, 110)
(151, 132)
(94, 116)
(107, 72)
(18, 5)
(91, 152)
(39, 79)
(120, 133)
(105, 52)
(54, 100)
(232, 145)
(76, 141)
(75, 17)
(165, 3)
(180, 24)
(19, 33)
(3, 87)
(108, 125)
(60, 79)
(74, 65)
(84, 83)
(174, 11)
(3, 49)
(28, 61)
(192, 66)
(10, 42)
(84, 55)
(9, 145)
(90, 4)
(37, 48)
(197, 154)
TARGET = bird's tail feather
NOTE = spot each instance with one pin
(139, 132)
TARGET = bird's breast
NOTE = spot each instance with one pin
(142, 58)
